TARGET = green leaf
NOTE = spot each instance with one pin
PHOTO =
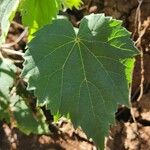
(81, 73)
(37, 13)
(27, 122)
(71, 3)
(7, 12)
(7, 76)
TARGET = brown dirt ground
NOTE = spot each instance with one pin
(126, 134)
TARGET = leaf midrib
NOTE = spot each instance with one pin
(86, 81)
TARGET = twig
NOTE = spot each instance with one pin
(142, 32)
(18, 24)
(130, 105)
(138, 44)
(137, 18)
(1, 56)
(142, 75)
(17, 41)
(12, 52)
(137, 24)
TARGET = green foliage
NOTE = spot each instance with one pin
(13, 107)
(85, 73)
(37, 13)
(71, 3)
(7, 75)
(7, 12)
(81, 73)
(28, 122)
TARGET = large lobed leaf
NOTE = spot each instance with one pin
(85, 73)
(7, 12)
